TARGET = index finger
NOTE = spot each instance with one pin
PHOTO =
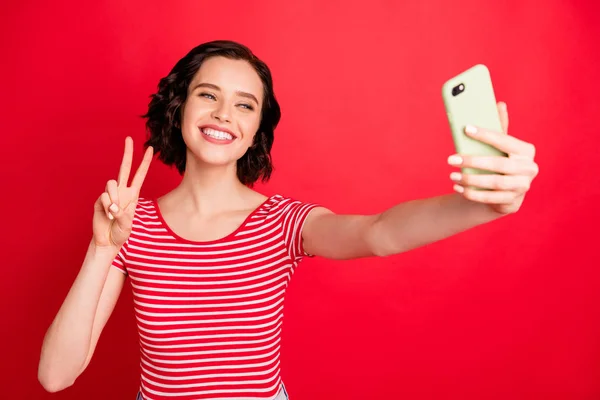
(126, 163)
(140, 174)
(505, 143)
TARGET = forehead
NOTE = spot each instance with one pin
(230, 75)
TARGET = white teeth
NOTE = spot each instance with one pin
(217, 134)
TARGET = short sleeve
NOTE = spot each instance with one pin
(119, 261)
(294, 217)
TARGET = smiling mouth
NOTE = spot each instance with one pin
(217, 134)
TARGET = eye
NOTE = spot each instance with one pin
(208, 96)
(246, 106)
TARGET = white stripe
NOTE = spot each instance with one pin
(213, 367)
(209, 283)
(208, 260)
(211, 352)
(153, 235)
(148, 215)
(202, 337)
(210, 321)
(143, 223)
(204, 275)
(212, 376)
(140, 225)
(146, 204)
(261, 267)
(282, 259)
(208, 360)
(271, 237)
(261, 225)
(205, 392)
(208, 313)
(211, 344)
(204, 298)
(208, 329)
(212, 305)
(157, 289)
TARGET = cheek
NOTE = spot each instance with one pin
(250, 126)
(195, 107)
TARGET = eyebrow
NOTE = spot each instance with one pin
(238, 92)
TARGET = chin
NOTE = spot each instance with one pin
(214, 158)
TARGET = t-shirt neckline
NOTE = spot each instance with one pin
(204, 242)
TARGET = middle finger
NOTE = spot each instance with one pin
(501, 165)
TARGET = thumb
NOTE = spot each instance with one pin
(124, 215)
(503, 113)
(121, 217)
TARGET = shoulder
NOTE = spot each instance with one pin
(296, 208)
(144, 206)
(286, 203)
(144, 202)
(285, 200)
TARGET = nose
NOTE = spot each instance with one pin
(221, 113)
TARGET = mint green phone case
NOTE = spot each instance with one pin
(475, 105)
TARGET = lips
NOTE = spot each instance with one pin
(217, 135)
(218, 129)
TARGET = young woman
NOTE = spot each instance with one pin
(209, 261)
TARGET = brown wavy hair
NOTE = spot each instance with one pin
(164, 119)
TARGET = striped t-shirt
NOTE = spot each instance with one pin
(209, 314)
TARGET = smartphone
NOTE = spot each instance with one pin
(469, 99)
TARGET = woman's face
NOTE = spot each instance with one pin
(222, 112)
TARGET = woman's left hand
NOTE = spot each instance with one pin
(514, 173)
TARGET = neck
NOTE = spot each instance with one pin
(209, 190)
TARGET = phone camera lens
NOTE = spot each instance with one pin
(456, 90)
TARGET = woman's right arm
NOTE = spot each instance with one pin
(72, 337)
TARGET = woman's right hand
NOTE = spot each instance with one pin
(115, 208)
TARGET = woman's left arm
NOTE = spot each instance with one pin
(419, 222)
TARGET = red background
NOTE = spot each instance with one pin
(506, 310)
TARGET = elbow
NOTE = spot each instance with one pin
(53, 385)
(376, 240)
(381, 242)
(384, 249)
(379, 250)
(52, 388)
(51, 382)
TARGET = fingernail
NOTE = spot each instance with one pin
(114, 208)
(456, 176)
(470, 129)
(110, 216)
(459, 188)
(455, 159)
